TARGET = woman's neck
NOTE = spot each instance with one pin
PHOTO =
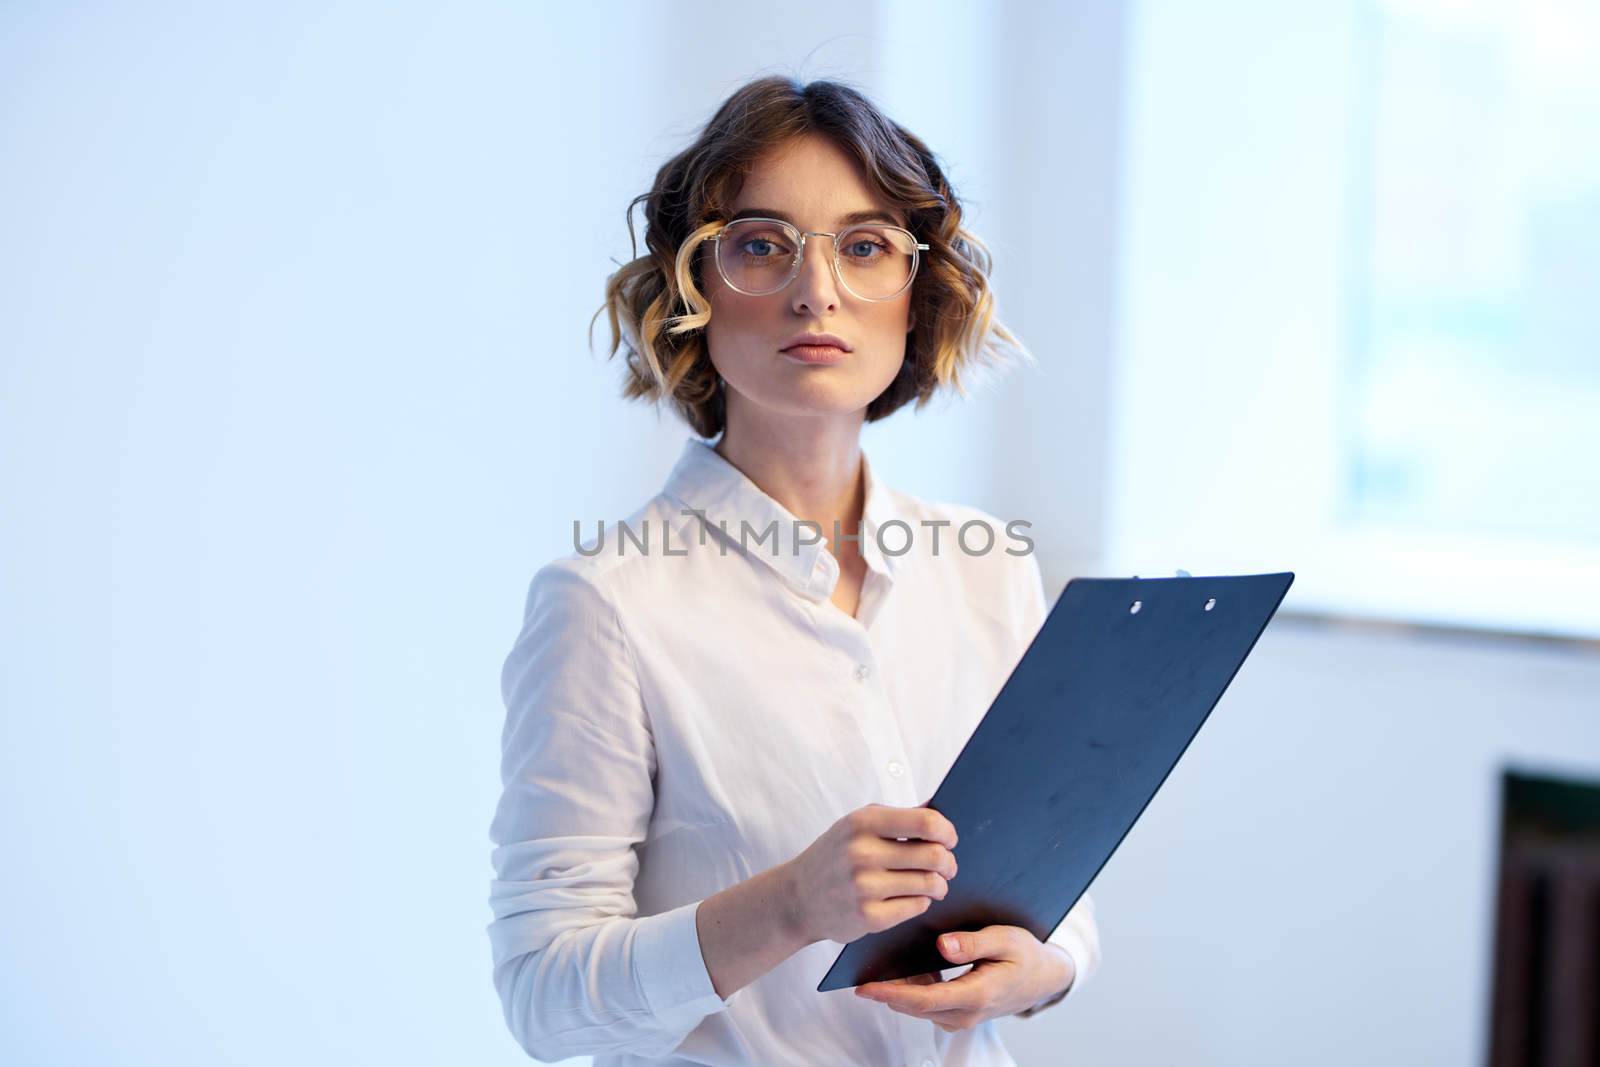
(812, 468)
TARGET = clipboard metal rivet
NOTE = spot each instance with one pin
(1211, 603)
(1135, 609)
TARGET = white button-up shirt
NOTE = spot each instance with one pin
(684, 715)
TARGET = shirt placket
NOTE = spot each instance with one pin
(899, 789)
(877, 720)
(887, 749)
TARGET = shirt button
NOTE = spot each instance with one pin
(862, 670)
(927, 1063)
(895, 770)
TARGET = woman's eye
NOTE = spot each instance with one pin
(865, 249)
(760, 247)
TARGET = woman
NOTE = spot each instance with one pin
(723, 722)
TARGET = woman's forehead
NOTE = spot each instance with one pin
(815, 209)
(811, 183)
(825, 221)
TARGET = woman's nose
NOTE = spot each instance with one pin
(816, 287)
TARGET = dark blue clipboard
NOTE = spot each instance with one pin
(1087, 727)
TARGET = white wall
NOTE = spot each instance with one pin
(292, 308)
(294, 397)
(1060, 124)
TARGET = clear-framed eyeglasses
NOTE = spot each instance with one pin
(872, 260)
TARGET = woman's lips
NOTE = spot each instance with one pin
(816, 353)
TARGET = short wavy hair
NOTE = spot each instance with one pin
(655, 303)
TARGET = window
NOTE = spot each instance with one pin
(1360, 307)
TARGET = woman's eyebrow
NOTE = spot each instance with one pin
(871, 215)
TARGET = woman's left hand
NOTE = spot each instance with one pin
(1012, 971)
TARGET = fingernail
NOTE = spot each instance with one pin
(950, 943)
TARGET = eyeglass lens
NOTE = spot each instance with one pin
(757, 256)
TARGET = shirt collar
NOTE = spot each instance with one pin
(704, 481)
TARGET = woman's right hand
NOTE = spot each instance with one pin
(857, 878)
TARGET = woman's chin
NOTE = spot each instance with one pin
(821, 400)
(799, 390)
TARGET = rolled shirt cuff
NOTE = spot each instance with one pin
(1077, 976)
(672, 969)
(1069, 940)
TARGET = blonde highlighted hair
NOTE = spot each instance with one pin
(656, 305)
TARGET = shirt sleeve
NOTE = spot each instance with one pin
(578, 971)
(1078, 934)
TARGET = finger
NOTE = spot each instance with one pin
(919, 856)
(879, 853)
(888, 884)
(966, 993)
(887, 854)
(893, 998)
(953, 1020)
(989, 943)
(922, 823)
(909, 1000)
(916, 979)
(892, 911)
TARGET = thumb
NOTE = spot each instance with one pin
(955, 946)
